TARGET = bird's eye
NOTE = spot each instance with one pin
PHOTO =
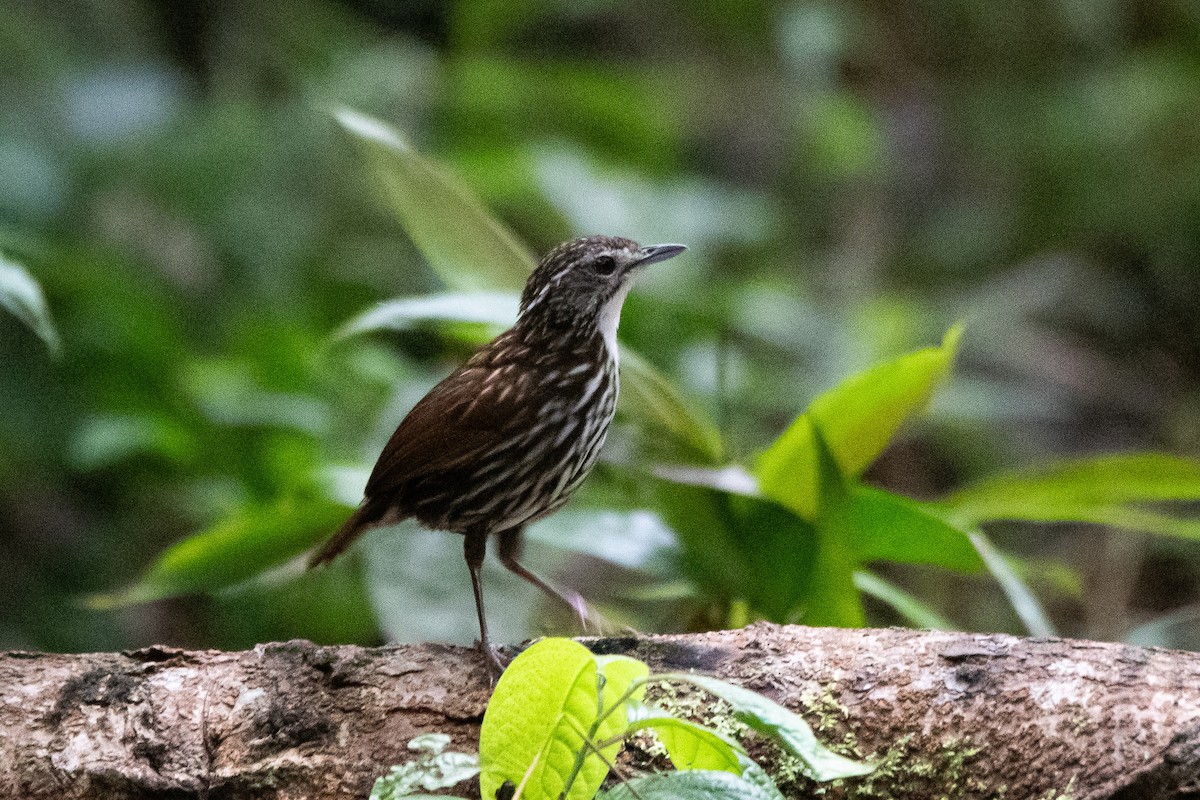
(605, 265)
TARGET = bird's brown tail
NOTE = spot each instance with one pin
(363, 519)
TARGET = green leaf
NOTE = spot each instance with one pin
(1020, 596)
(743, 548)
(917, 613)
(858, 417)
(22, 296)
(690, 785)
(789, 729)
(489, 308)
(887, 527)
(543, 700)
(235, 549)
(433, 769)
(651, 399)
(692, 746)
(620, 674)
(1096, 490)
(754, 774)
(463, 243)
(833, 598)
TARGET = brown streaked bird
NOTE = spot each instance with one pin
(508, 436)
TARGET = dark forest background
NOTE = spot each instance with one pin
(851, 178)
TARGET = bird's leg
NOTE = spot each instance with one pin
(474, 549)
(510, 552)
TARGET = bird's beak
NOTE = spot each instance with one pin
(659, 252)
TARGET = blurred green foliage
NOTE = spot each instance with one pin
(851, 179)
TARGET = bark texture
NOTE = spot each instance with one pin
(945, 714)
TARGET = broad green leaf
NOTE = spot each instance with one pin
(463, 243)
(743, 548)
(789, 729)
(431, 770)
(22, 296)
(918, 614)
(692, 746)
(546, 697)
(1020, 596)
(1096, 490)
(858, 417)
(650, 398)
(690, 785)
(235, 549)
(833, 599)
(888, 527)
(488, 308)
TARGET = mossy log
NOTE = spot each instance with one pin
(943, 714)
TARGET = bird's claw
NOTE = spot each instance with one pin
(591, 620)
(492, 660)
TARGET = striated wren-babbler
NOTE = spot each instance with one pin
(508, 436)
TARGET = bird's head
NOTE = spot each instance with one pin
(584, 282)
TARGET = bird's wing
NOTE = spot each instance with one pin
(461, 418)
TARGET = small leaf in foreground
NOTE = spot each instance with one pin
(620, 674)
(786, 727)
(543, 700)
(433, 769)
(691, 746)
(690, 785)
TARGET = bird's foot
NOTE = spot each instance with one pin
(492, 660)
(591, 620)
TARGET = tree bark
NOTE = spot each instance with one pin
(945, 714)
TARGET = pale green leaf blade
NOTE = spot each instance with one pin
(1097, 490)
(858, 418)
(692, 746)
(1020, 596)
(918, 614)
(786, 727)
(497, 309)
(690, 785)
(463, 243)
(647, 396)
(21, 295)
(546, 696)
(235, 549)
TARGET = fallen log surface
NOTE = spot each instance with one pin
(945, 714)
